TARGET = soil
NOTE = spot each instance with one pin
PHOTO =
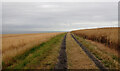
(76, 57)
(62, 59)
(90, 55)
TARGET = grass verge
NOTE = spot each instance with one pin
(109, 60)
(41, 57)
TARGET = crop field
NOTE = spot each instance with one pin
(107, 56)
(40, 56)
(107, 36)
(16, 44)
(80, 49)
(103, 43)
(63, 36)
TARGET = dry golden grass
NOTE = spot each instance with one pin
(15, 44)
(107, 36)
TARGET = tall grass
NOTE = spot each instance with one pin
(34, 58)
(15, 44)
(107, 36)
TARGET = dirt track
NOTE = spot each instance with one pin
(62, 59)
(73, 55)
(76, 57)
(90, 55)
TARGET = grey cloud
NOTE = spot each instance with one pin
(58, 16)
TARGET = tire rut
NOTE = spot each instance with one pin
(62, 59)
(90, 55)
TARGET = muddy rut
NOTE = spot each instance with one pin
(62, 59)
(76, 57)
(90, 55)
(73, 55)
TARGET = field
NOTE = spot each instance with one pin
(107, 36)
(103, 43)
(80, 49)
(43, 56)
(16, 44)
(107, 56)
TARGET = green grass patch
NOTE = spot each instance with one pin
(33, 57)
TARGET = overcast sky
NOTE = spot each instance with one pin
(60, 0)
(64, 16)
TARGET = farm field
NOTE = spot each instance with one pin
(71, 50)
(43, 56)
(107, 36)
(16, 44)
(107, 56)
(103, 43)
(66, 35)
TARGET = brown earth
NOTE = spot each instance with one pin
(76, 57)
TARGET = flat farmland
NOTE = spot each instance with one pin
(15, 44)
(107, 36)
(80, 49)
(103, 43)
